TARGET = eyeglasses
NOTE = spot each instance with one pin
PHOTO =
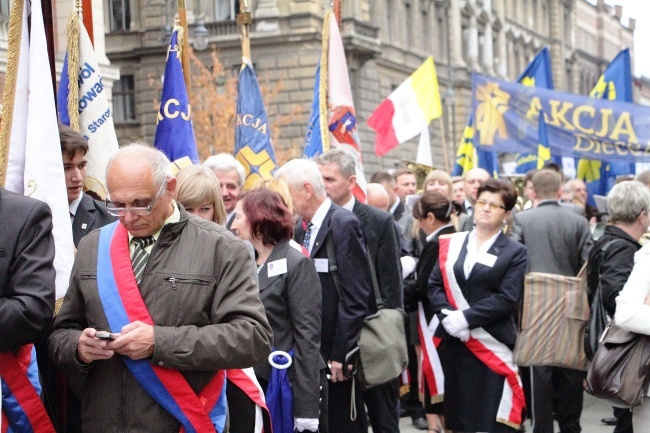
(493, 205)
(121, 211)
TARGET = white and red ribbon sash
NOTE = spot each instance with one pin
(494, 354)
(431, 371)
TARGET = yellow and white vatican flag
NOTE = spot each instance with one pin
(29, 128)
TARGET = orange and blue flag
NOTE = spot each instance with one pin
(253, 147)
(615, 84)
(174, 132)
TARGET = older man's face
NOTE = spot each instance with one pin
(131, 184)
(230, 187)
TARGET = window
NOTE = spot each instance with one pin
(226, 10)
(124, 99)
(119, 14)
(5, 7)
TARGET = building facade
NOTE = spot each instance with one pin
(385, 41)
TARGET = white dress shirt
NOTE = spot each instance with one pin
(474, 252)
(317, 221)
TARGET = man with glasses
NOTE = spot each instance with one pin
(558, 242)
(159, 305)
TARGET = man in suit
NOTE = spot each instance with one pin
(26, 277)
(231, 175)
(338, 170)
(86, 213)
(558, 242)
(473, 180)
(343, 312)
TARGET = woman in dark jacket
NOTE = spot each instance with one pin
(433, 211)
(291, 293)
(475, 289)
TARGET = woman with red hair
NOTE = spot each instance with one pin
(291, 293)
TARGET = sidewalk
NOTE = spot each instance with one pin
(592, 413)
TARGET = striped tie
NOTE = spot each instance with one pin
(306, 240)
(140, 256)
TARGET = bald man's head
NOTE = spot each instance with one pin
(473, 180)
(377, 196)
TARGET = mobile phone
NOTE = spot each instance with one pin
(105, 335)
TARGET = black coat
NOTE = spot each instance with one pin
(27, 275)
(91, 214)
(342, 317)
(616, 266)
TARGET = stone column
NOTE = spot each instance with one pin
(456, 34)
(472, 44)
(266, 9)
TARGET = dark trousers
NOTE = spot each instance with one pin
(562, 385)
(623, 420)
(383, 409)
(339, 400)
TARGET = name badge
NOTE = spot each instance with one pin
(84, 226)
(277, 267)
(322, 265)
(487, 259)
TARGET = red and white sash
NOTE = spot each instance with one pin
(429, 360)
(495, 355)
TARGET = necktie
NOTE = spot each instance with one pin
(140, 256)
(307, 238)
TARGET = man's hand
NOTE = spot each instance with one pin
(136, 341)
(337, 371)
(91, 348)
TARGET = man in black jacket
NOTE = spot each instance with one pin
(612, 257)
(338, 170)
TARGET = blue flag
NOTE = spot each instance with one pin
(615, 84)
(537, 74)
(253, 146)
(313, 140)
(174, 133)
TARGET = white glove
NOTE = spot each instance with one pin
(464, 335)
(455, 322)
(408, 265)
(308, 424)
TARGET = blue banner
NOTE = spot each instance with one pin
(174, 133)
(253, 146)
(507, 116)
(313, 140)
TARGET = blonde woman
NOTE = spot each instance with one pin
(440, 181)
(199, 191)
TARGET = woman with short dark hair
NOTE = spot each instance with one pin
(291, 293)
(474, 289)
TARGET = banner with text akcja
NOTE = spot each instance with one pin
(507, 120)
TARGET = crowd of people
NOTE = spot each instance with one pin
(188, 294)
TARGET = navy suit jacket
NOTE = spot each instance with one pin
(342, 317)
(384, 246)
(91, 214)
(26, 270)
(493, 293)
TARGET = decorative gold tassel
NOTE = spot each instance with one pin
(72, 33)
(9, 93)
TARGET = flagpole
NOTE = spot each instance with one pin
(87, 17)
(244, 21)
(185, 53)
(445, 156)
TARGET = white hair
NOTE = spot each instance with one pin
(297, 172)
(627, 200)
(226, 162)
(138, 151)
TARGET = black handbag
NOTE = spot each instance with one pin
(619, 370)
(598, 318)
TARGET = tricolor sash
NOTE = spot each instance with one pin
(22, 408)
(494, 354)
(432, 376)
(245, 380)
(123, 304)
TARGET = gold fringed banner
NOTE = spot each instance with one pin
(322, 86)
(72, 34)
(13, 56)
